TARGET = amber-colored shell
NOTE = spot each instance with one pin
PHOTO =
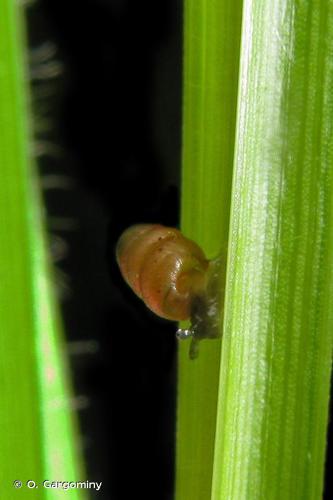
(163, 268)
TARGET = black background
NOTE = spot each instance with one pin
(115, 114)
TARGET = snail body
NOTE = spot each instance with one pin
(173, 277)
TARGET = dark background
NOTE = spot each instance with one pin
(113, 114)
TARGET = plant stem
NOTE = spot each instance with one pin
(37, 439)
(210, 91)
(277, 347)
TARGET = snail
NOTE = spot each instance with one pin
(173, 277)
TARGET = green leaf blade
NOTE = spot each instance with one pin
(209, 112)
(38, 438)
(278, 332)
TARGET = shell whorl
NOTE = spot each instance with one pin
(165, 269)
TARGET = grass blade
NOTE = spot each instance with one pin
(210, 92)
(277, 348)
(37, 440)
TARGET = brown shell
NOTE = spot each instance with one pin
(163, 268)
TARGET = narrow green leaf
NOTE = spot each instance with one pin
(277, 347)
(37, 440)
(210, 90)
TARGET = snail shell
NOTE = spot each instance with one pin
(165, 269)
